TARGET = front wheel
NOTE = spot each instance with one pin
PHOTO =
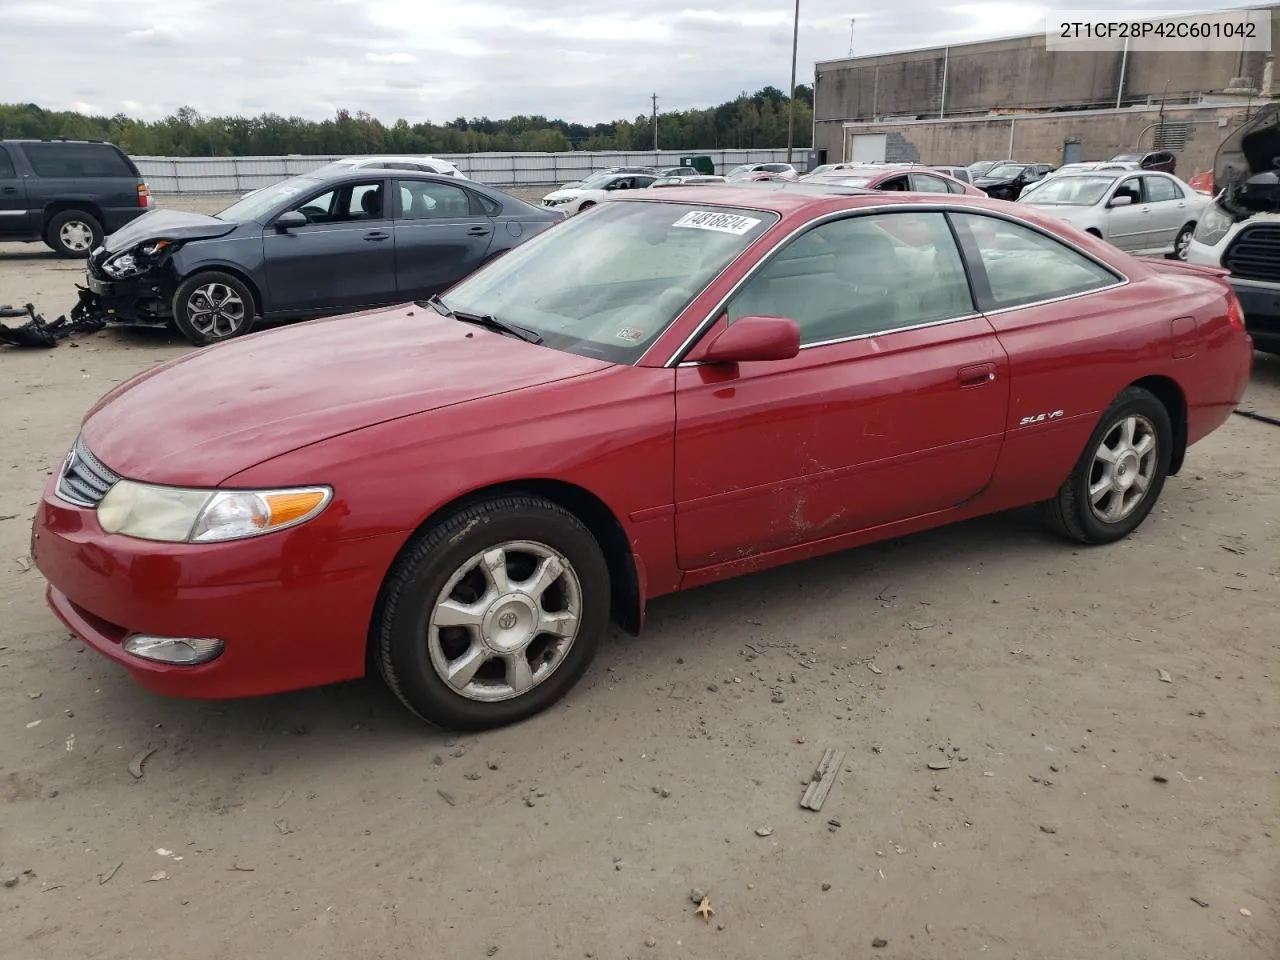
(587, 205)
(492, 615)
(212, 307)
(1182, 242)
(1118, 478)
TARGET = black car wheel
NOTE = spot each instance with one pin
(212, 307)
(73, 233)
(493, 614)
(1120, 474)
(1182, 242)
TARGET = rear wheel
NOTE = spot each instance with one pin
(1118, 478)
(1182, 242)
(73, 233)
(494, 614)
(212, 307)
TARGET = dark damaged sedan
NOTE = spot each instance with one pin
(309, 246)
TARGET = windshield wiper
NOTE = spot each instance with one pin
(486, 320)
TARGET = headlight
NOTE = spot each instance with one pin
(135, 261)
(1213, 226)
(178, 515)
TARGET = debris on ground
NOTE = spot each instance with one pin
(879, 943)
(140, 758)
(764, 831)
(1164, 677)
(826, 887)
(158, 876)
(24, 563)
(704, 909)
(39, 333)
(106, 877)
(447, 797)
(650, 942)
(939, 765)
(1046, 828)
(1200, 903)
(824, 778)
(1246, 912)
(697, 895)
(10, 882)
(1160, 778)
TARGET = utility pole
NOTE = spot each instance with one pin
(852, 22)
(655, 123)
(791, 100)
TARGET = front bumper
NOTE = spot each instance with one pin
(1261, 304)
(292, 609)
(145, 300)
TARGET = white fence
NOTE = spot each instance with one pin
(170, 175)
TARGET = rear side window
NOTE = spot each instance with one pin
(77, 160)
(1024, 266)
(7, 169)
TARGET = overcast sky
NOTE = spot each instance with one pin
(582, 60)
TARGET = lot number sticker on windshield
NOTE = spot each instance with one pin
(719, 222)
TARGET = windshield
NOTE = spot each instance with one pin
(261, 202)
(1071, 191)
(1128, 157)
(607, 283)
(1004, 171)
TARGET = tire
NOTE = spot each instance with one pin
(1080, 517)
(587, 205)
(415, 653)
(1182, 241)
(74, 234)
(211, 307)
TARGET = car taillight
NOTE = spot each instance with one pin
(1235, 312)
(144, 195)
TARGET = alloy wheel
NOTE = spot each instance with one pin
(1124, 468)
(215, 310)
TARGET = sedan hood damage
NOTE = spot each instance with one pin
(222, 410)
(166, 225)
(1246, 169)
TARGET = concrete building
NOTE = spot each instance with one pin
(1014, 98)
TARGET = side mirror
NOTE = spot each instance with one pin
(289, 220)
(751, 339)
(1122, 200)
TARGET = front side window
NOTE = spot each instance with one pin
(1025, 266)
(351, 202)
(861, 275)
(427, 200)
(7, 170)
(1130, 187)
(608, 285)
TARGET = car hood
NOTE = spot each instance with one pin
(1252, 148)
(167, 225)
(563, 194)
(993, 182)
(206, 416)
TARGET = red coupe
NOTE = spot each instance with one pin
(665, 392)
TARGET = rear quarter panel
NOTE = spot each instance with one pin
(1069, 360)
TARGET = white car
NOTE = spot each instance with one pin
(1093, 166)
(1141, 212)
(695, 180)
(1240, 231)
(425, 164)
(595, 190)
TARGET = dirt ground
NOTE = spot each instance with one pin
(1088, 807)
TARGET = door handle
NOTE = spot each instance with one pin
(9, 190)
(377, 235)
(478, 231)
(977, 374)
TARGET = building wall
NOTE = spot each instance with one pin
(1021, 74)
(1041, 137)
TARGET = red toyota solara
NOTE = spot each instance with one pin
(662, 393)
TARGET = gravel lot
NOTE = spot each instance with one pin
(1089, 808)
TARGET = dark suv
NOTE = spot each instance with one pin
(68, 193)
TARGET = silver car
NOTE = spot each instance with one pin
(1142, 212)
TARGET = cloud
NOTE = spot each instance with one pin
(582, 60)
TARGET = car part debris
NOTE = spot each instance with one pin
(86, 317)
(1260, 417)
(824, 778)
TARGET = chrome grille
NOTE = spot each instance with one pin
(83, 479)
(1255, 253)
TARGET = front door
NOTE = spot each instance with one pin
(442, 234)
(894, 407)
(344, 258)
(1127, 224)
(15, 219)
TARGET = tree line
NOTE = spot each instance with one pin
(750, 121)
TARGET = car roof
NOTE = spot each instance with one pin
(801, 200)
(77, 142)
